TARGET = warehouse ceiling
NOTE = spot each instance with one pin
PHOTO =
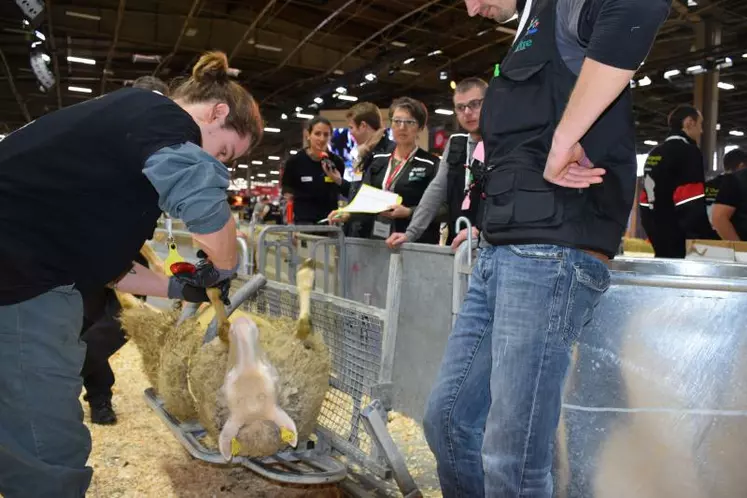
(291, 52)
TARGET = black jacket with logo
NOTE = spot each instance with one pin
(75, 205)
(672, 201)
(410, 184)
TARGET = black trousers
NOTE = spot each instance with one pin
(103, 336)
(666, 237)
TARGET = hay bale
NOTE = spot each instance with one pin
(188, 375)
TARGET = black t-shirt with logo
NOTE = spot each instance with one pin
(315, 195)
(733, 192)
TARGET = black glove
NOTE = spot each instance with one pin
(191, 286)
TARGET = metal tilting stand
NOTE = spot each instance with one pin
(306, 467)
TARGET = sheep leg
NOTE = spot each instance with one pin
(246, 292)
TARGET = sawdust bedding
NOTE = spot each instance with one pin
(139, 457)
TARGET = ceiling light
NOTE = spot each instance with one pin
(230, 169)
(652, 143)
(284, 116)
(718, 126)
(293, 152)
(744, 56)
(190, 32)
(82, 60)
(443, 75)
(341, 89)
(691, 3)
(243, 166)
(270, 48)
(36, 44)
(153, 59)
(273, 158)
(445, 112)
(435, 52)
(81, 15)
(409, 61)
(483, 32)
(274, 182)
(274, 172)
(79, 89)
(46, 58)
(369, 77)
(672, 73)
(233, 72)
(453, 85)
(399, 44)
(40, 36)
(350, 98)
(269, 129)
(410, 73)
(645, 81)
(696, 69)
(299, 109)
(257, 163)
(725, 64)
(736, 133)
(304, 116)
(338, 72)
(725, 86)
(319, 100)
(261, 175)
(252, 178)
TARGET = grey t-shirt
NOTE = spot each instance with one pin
(191, 186)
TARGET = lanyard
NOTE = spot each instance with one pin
(389, 178)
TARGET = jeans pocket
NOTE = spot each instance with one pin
(538, 251)
(589, 280)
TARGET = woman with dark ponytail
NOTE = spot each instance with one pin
(81, 189)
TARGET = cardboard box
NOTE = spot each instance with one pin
(717, 250)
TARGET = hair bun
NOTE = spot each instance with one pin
(212, 67)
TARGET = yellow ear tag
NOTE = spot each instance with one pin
(286, 435)
(173, 257)
(235, 447)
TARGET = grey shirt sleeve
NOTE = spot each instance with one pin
(430, 203)
(191, 186)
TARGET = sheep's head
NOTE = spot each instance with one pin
(249, 387)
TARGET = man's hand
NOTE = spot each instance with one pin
(396, 239)
(397, 212)
(337, 217)
(462, 236)
(568, 166)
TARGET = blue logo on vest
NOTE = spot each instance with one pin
(527, 42)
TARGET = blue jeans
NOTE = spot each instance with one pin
(494, 409)
(43, 442)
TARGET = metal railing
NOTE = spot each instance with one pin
(244, 265)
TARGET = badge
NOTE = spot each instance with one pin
(307, 179)
(382, 229)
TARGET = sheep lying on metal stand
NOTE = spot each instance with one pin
(256, 390)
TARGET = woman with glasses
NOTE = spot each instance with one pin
(407, 171)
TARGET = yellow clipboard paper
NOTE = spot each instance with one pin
(371, 200)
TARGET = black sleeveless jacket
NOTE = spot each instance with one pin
(522, 108)
(455, 185)
(75, 206)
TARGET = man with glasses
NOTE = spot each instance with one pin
(456, 182)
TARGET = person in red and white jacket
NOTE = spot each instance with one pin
(672, 202)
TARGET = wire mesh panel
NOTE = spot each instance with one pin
(353, 333)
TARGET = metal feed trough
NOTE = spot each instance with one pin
(352, 422)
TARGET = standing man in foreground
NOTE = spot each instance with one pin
(455, 181)
(560, 186)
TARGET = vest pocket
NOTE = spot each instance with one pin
(520, 198)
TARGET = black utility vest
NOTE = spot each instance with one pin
(455, 186)
(75, 206)
(522, 108)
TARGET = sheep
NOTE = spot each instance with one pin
(256, 394)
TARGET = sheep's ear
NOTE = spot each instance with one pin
(287, 426)
(227, 434)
